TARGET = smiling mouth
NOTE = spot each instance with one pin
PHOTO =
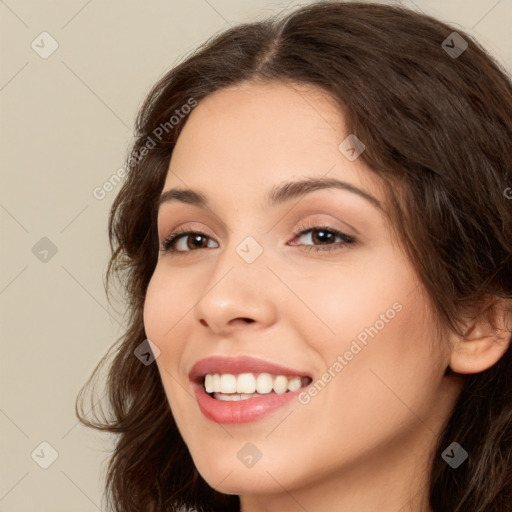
(244, 386)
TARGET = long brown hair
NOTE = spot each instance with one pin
(437, 129)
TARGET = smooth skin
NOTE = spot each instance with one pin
(363, 442)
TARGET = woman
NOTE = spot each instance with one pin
(315, 238)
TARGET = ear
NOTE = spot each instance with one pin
(486, 338)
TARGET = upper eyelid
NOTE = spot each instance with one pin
(180, 232)
(305, 226)
(308, 210)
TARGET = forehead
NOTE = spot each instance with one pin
(242, 140)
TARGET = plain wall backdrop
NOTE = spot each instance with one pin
(66, 123)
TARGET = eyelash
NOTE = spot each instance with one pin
(347, 239)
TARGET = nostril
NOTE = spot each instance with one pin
(242, 319)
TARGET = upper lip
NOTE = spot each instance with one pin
(240, 364)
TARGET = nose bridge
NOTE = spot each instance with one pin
(238, 285)
(241, 263)
(243, 252)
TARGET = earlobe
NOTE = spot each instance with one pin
(485, 340)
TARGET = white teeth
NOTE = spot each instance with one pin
(294, 384)
(281, 384)
(227, 383)
(264, 383)
(235, 397)
(246, 385)
(208, 383)
(216, 382)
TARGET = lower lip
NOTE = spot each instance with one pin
(241, 411)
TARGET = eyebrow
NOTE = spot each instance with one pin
(279, 194)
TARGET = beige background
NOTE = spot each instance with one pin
(65, 125)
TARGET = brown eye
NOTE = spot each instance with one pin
(324, 238)
(183, 241)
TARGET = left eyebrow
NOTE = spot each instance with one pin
(290, 190)
(279, 194)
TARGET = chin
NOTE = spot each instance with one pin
(227, 477)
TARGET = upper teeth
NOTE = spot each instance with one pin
(250, 383)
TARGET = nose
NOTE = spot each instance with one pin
(237, 294)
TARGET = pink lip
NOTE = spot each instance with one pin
(242, 411)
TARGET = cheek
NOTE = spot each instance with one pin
(383, 393)
(165, 326)
(343, 302)
(162, 311)
(153, 311)
(391, 378)
(380, 324)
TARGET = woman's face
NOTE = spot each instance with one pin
(346, 310)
